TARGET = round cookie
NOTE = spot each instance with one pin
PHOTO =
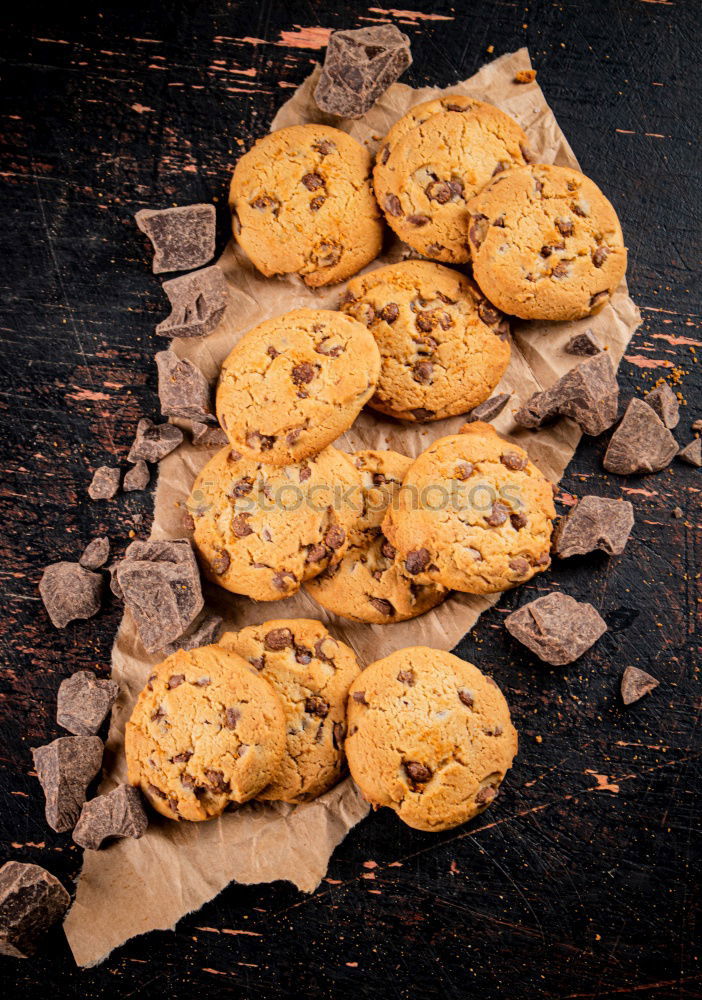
(474, 514)
(293, 384)
(546, 243)
(419, 114)
(302, 203)
(206, 731)
(434, 169)
(312, 672)
(430, 736)
(443, 346)
(261, 531)
(370, 583)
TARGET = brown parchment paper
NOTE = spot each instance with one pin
(139, 885)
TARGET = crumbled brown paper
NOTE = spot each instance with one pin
(136, 886)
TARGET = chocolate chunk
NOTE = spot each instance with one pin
(665, 403)
(595, 523)
(198, 302)
(419, 219)
(359, 67)
(382, 606)
(588, 394)
(422, 372)
(584, 344)
(96, 553)
(518, 521)
(466, 697)
(160, 583)
(335, 537)
(119, 813)
(556, 627)
(303, 373)
(359, 697)
(406, 677)
(417, 561)
(490, 409)
(104, 484)
(69, 592)
(498, 515)
(317, 706)
(31, 901)
(278, 638)
(418, 773)
(635, 684)
(84, 701)
(389, 313)
(183, 238)
(514, 461)
(204, 632)
(641, 443)
(154, 441)
(182, 388)
(692, 453)
(65, 768)
(204, 436)
(600, 255)
(393, 205)
(137, 478)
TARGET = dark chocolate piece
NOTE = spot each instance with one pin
(595, 523)
(557, 628)
(104, 484)
(84, 701)
(198, 302)
(69, 592)
(182, 388)
(119, 813)
(31, 901)
(665, 403)
(183, 238)
(584, 344)
(490, 409)
(588, 394)
(65, 768)
(635, 684)
(697, 426)
(96, 553)
(641, 443)
(203, 633)
(137, 478)
(154, 441)
(359, 67)
(205, 436)
(692, 453)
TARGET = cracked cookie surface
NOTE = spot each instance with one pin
(206, 731)
(311, 672)
(443, 346)
(436, 167)
(302, 203)
(419, 114)
(370, 583)
(430, 736)
(546, 243)
(261, 530)
(293, 384)
(474, 514)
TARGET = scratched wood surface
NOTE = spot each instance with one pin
(582, 881)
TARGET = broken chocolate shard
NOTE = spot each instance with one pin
(665, 403)
(31, 901)
(490, 409)
(104, 484)
(205, 436)
(154, 441)
(594, 523)
(137, 478)
(65, 768)
(692, 453)
(119, 813)
(557, 628)
(359, 67)
(183, 238)
(204, 632)
(198, 302)
(641, 443)
(588, 394)
(635, 684)
(69, 591)
(96, 553)
(584, 345)
(182, 388)
(84, 701)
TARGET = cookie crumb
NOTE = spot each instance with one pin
(525, 76)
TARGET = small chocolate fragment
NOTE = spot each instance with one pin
(588, 394)
(203, 633)
(119, 813)
(96, 553)
(204, 436)
(104, 484)
(154, 441)
(183, 238)
(692, 453)
(182, 388)
(584, 344)
(678, 513)
(198, 302)
(84, 701)
(595, 523)
(31, 901)
(359, 67)
(641, 443)
(137, 478)
(635, 684)
(65, 768)
(697, 427)
(69, 592)
(665, 403)
(556, 627)
(490, 409)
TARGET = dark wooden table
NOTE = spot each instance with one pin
(582, 881)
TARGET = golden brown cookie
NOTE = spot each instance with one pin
(311, 672)
(370, 583)
(473, 515)
(430, 736)
(546, 243)
(206, 731)
(443, 346)
(302, 203)
(293, 384)
(262, 531)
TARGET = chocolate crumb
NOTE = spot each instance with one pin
(635, 684)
